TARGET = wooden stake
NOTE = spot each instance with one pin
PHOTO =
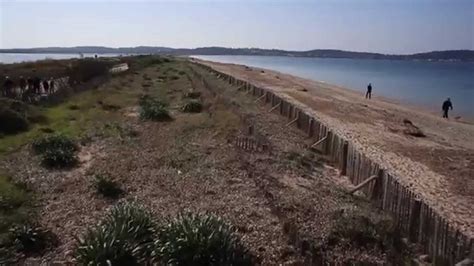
(361, 185)
(275, 107)
(319, 142)
(261, 97)
(294, 120)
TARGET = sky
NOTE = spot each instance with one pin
(385, 26)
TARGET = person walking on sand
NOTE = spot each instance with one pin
(446, 106)
(368, 94)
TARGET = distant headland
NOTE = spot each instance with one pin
(448, 55)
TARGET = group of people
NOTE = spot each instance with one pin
(27, 86)
(447, 104)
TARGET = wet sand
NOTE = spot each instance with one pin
(438, 167)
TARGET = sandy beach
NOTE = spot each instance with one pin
(438, 167)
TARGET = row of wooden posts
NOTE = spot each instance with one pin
(414, 219)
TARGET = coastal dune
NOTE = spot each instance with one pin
(432, 156)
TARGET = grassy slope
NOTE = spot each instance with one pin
(86, 114)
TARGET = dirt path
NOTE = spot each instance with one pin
(439, 167)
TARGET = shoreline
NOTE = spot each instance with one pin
(438, 167)
(432, 106)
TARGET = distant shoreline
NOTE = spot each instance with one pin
(447, 55)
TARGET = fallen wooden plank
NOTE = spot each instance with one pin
(319, 141)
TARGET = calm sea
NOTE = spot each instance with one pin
(9, 58)
(422, 83)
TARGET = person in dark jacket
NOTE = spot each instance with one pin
(8, 87)
(51, 85)
(368, 94)
(30, 85)
(37, 85)
(46, 86)
(22, 85)
(446, 106)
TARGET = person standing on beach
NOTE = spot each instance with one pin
(446, 106)
(368, 94)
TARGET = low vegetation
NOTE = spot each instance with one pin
(193, 106)
(153, 109)
(31, 239)
(129, 236)
(124, 237)
(107, 187)
(57, 151)
(200, 239)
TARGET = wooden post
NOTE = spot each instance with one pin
(414, 224)
(327, 147)
(294, 120)
(310, 127)
(345, 151)
(378, 187)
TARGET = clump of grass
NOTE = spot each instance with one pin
(193, 94)
(358, 228)
(200, 239)
(192, 107)
(57, 151)
(73, 107)
(153, 109)
(124, 237)
(31, 239)
(106, 187)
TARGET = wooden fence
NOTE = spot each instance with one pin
(414, 219)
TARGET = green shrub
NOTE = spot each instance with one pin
(86, 69)
(107, 187)
(200, 240)
(31, 239)
(153, 109)
(57, 151)
(192, 107)
(124, 237)
(12, 122)
(55, 141)
(359, 228)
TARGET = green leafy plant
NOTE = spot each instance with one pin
(31, 239)
(106, 187)
(124, 237)
(57, 151)
(192, 107)
(200, 239)
(153, 109)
